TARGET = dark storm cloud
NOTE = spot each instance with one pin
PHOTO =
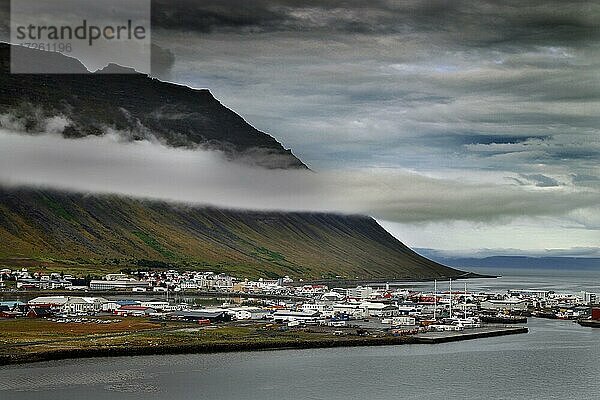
(417, 82)
(471, 22)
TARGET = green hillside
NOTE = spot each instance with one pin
(75, 232)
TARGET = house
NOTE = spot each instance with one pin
(188, 285)
(223, 283)
(12, 305)
(311, 290)
(44, 283)
(39, 312)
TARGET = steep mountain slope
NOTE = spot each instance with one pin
(108, 230)
(134, 105)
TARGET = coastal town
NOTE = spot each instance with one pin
(384, 309)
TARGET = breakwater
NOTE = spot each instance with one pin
(257, 345)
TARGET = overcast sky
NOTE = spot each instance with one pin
(476, 91)
(484, 94)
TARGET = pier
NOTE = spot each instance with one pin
(477, 333)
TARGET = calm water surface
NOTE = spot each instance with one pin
(556, 360)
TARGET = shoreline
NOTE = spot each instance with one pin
(391, 281)
(191, 293)
(331, 283)
(245, 346)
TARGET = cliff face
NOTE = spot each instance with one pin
(76, 230)
(134, 105)
(110, 230)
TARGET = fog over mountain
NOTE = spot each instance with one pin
(110, 164)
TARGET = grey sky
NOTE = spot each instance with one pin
(482, 92)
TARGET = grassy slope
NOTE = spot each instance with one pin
(73, 232)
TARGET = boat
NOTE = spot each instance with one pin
(503, 319)
(592, 323)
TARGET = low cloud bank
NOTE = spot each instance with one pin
(150, 170)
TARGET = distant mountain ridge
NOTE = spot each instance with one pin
(67, 230)
(517, 262)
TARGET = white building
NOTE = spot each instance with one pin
(324, 309)
(293, 316)
(538, 294)
(76, 305)
(588, 298)
(510, 304)
(400, 321)
(53, 301)
(118, 285)
(188, 285)
(157, 305)
(117, 277)
(248, 313)
(360, 292)
(380, 309)
(353, 310)
(332, 296)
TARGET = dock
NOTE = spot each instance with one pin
(477, 333)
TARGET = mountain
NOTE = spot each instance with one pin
(580, 263)
(80, 232)
(65, 228)
(134, 105)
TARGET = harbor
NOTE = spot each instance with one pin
(202, 312)
(409, 371)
